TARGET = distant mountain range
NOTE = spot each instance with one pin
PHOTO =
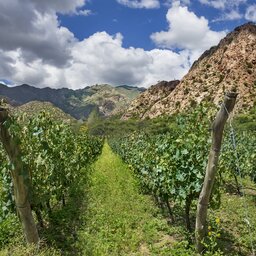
(232, 63)
(106, 99)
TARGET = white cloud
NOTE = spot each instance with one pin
(229, 10)
(251, 13)
(147, 4)
(186, 31)
(166, 65)
(218, 4)
(82, 12)
(169, 3)
(36, 32)
(3, 82)
(232, 15)
(63, 6)
(223, 4)
(36, 49)
(101, 58)
(6, 64)
(185, 2)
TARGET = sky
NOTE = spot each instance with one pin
(78, 43)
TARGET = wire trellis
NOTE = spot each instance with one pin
(238, 168)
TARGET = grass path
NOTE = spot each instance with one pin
(119, 220)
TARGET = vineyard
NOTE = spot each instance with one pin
(57, 159)
(171, 168)
(167, 168)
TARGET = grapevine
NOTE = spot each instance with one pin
(57, 158)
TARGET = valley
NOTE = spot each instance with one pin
(119, 170)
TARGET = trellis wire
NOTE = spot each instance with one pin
(233, 140)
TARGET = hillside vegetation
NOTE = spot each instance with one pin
(106, 99)
(137, 208)
(33, 108)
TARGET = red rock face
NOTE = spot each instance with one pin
(230, 64)
(147, 99)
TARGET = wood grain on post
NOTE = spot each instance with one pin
(20, 179)
(217, 132)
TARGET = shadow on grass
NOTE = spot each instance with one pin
(227, 243)
(230, 246)
(64, 223)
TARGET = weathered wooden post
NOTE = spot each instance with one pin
(20, 179)
(217, 132)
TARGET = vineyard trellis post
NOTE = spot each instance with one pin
(20, 179)
(217, 132)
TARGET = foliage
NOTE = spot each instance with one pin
(20, 250)
(170, 166)
(243, 159)
(9, 227)
(54, 156)
(210, 242)
(168, 155)
(119, 220)
(34, 108)
(246, 121)
(114, 126)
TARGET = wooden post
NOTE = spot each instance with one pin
(217, 132)
(20, 179)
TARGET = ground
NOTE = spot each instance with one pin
(120, 220)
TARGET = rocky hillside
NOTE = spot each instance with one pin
(231, 63)
(147, 99)
(106, 99)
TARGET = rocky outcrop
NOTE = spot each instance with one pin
(142, 104)
(232, 63)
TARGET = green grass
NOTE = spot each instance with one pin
(235, 213)
(119, 219)
(110, 216)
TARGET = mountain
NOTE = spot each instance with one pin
(106, 99)
(146, 100)
(232, 63)
(35, 107)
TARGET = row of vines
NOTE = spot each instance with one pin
(57, 159)
(171, 166)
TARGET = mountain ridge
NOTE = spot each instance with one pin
(232, 63)
(108, 100)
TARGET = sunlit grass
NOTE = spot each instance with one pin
(120, 220)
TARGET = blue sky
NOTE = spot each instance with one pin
(63, 43)
(137, 24)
